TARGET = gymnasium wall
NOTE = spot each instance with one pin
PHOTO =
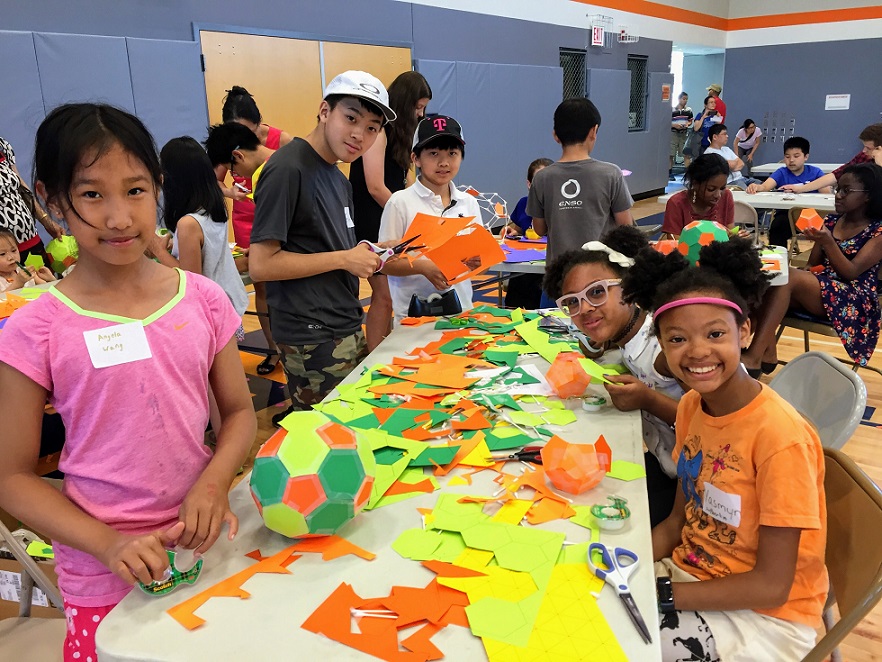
(511, 111)
(790, 82)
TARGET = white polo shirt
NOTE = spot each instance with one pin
(398, 214)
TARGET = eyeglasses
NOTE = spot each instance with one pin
(843, 191)
(596, 294)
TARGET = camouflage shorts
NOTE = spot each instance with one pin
(313, 371)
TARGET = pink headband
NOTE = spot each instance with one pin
(691, 300)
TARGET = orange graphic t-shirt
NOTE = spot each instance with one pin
(760, 466)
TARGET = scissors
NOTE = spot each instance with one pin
(620, 565)
(526, 454)
(406, 245)
(386, 253)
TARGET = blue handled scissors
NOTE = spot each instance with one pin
(620, 565)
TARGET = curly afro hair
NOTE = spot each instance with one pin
(731, 270)
(626, 239)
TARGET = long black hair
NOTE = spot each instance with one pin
(189, 184)
(76, 131)
(239, 104)
(627, 240)
(731, 270)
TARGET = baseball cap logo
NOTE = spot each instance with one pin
(566, 185)
(369, 88)
(440, 123)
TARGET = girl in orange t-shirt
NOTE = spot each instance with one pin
(740, 560)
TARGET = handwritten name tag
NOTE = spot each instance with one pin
(722, 506)
(118, 344)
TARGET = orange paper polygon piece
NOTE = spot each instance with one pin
(467, 446)
(809, 218)
(566, 376)
(332, 547)
(576, 468)
(665, 246)
(477, 242)
(433, 231)
(546, 510)
(231, 587)
(475, 421)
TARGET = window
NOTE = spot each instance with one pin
(572, 61)
(637, 104)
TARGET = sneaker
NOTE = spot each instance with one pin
(277, 419)
(671, 177)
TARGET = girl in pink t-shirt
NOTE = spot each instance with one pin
(125, 349)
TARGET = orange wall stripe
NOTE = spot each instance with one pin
(666, 12)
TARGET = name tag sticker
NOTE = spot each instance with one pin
(118, 344)
(349, 223)
(722, 506)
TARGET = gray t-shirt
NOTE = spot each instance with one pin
(305, 203)
(577, 199)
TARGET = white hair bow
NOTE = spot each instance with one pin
(614, 256)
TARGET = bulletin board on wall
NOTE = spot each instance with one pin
(286, 76)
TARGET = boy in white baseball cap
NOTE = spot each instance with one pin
(303, 240)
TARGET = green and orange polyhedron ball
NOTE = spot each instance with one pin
(62, 253)
(699, 234)
(312, 476)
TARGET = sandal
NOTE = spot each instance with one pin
(268, 365)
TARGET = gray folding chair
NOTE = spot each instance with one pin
(826, 392)
(854, 550)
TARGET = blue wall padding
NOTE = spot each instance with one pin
(168, 88)
(506, 112)
(21, 104)
(83, 68)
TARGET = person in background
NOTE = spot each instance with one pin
(843, 287)
(524, 290)
(16, 215)
(681, 122)
(715, 90)
(384, 169)
(577, 199)
(239, 106)
(703, 123)
(747, 141)
(705, 197)
(718, 136)
(303, 241)
(12, 275)
(739, 563)
(438, 151)
(794, 171)
(519, 221)
(871, 138)
(121, 333)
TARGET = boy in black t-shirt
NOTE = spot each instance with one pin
(303, 240)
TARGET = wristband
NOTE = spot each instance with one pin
(665, 592)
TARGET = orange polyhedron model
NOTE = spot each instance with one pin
(566, 376)
(576, 468)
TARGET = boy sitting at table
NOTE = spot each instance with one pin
(794, 171)
(438, 151)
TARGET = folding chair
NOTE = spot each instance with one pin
(824, 391)
(854, 550)
(746, 216)
(26, 638)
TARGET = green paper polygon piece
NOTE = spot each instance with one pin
(305, 455)
(547, 347)
(368, 422)
(507, 357)
(417, 544)
(495, 400)
(435, 455)
(455, 345)
(507, 438)
(518, 376)
(573, 554)
(341, 473)
(279, 517)
(624, 470)
(517, 315)
(401, 420)
(559, 416)
(330, 516)
(594, 370)
(387, 456)
(545, 432)
(525, 418)
(409, 476)
(584, 518)
(269, 477)
(34, 260)
(344, 411)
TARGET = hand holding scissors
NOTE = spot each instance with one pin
(386, 253)
(620, 565)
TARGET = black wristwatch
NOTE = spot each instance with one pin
(665, 593)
